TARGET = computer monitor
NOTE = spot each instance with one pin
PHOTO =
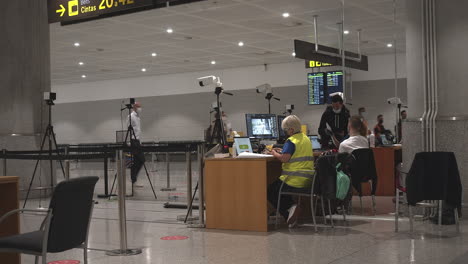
(316, 86)
(334, 83)
(281, 133)
(261, 125)
(243, 145)
(314, 139)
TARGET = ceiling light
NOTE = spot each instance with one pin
(293, 54)
(286, 15)
(213, 62)
(83, 76)
(76, 44)
(389, 45)
(346, 32)
(169, 30)
(143, 69)
(240, 44)
(81, 63)
(154, 54)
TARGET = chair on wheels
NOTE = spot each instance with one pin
(299, 192)
(433, 176)
(363, 171)
(66, 224)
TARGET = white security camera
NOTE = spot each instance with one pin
(50, 96)
(209, 80)
(289, 107)
(264, 88)
(394, 100)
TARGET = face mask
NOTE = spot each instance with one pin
(139, 110)
(224, 118)
(364, 115)
(337, 111)
(380, 121)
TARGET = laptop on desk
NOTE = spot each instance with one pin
(243, 145)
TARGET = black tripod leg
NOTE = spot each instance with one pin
(191, 203)
(35, 169)
(149, 179)
(113, 184)
(57, 150)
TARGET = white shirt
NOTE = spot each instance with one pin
(352, 143)
(136, 124)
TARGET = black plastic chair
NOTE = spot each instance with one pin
(65, 226)
(363, 171)
(432, 179)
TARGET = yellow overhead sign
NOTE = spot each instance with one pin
(316, 64)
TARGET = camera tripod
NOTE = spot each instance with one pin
(50, 135)
(270, 96)
(134, 146)
(218, 135)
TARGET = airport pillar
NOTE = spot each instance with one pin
(451, 61)
(24, 77)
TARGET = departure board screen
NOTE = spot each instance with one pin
(316, 83)
(334, 83)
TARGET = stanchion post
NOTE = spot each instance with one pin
(201, 192)
(4, 163)
(67, 165)
(168, 174)
(189, 179)
(123, 251)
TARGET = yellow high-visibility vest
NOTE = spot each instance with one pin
(301, 164)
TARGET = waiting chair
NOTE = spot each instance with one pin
(433, 176)
(363, 171)
(65, 226)
(299, 192)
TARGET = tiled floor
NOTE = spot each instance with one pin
(365, 240)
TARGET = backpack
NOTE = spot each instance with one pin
(342, 183)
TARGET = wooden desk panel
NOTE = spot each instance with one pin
(236, 193)
(385, 165)
(9, 200)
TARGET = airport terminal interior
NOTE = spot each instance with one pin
(233, 131)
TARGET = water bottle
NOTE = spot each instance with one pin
(372, 140)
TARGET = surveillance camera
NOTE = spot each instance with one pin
(394, 100)
(49, 96)
(209, 80)
(289, 107)
(264, 88)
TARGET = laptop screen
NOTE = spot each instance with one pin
(243, 145)
(314, 139)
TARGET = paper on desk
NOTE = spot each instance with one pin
(247, 155)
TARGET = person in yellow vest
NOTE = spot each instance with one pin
(298, 168)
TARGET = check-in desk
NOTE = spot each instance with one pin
(236, 192)
(9, 200)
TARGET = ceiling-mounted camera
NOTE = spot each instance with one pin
(394, 101)
(50, 97)
(209, 81)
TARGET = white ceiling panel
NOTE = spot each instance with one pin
(119, 47)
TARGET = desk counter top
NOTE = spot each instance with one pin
(9, 179)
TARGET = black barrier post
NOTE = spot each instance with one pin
(4, 163)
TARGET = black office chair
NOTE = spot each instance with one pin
(65, 226)
(363, 171)
(432, 180)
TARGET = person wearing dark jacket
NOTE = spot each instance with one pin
(336, 116)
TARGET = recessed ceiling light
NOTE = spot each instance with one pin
(293, 54)
(240, 44)
(76, 44)
(154, 54)
(83, 76)
(286, 15)
(169, 30)
(143, 69)
(346, 32)
(389, 45)
(213, 62)
(81, 63)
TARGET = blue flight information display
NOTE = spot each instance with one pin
(316, 84)
(334, 83)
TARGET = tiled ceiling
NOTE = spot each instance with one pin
(120, 47)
